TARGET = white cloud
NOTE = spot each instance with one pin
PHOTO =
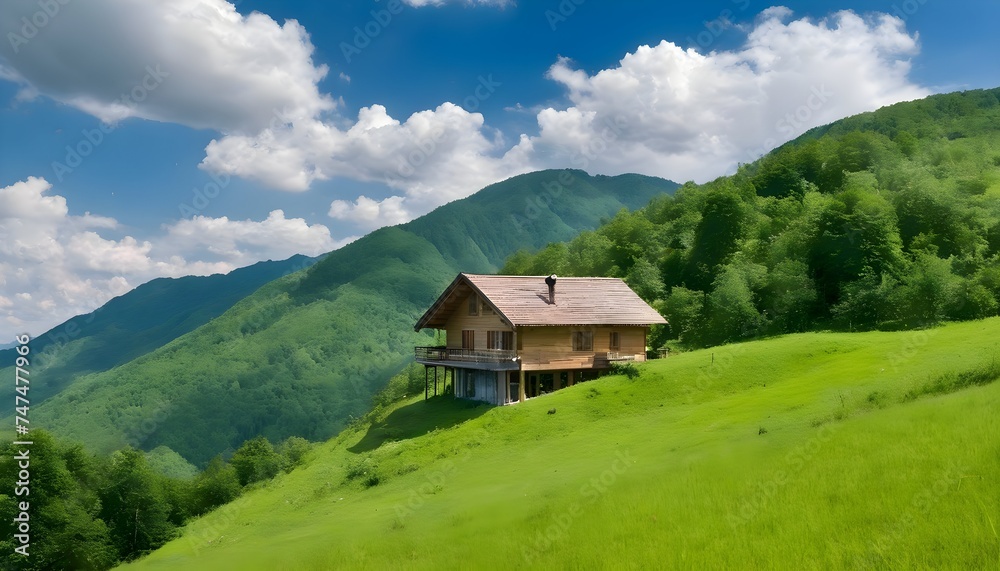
(54, 265)
(680, 114)
(193, 62)
(434, 157)
(242, 242)
(365, 210)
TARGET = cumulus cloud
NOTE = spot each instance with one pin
(675, 112)
(54, 265)
(193, 62)
(433, 157)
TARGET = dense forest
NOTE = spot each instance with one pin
(885, 220)
(90, 512)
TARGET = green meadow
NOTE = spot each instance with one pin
(808, 451)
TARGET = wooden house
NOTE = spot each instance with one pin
(510, 338)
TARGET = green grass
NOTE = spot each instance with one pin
(810, 451)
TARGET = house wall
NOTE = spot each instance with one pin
(551, 348)
(485, 321)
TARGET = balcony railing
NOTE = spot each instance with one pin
(464, 355)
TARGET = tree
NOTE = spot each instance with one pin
(632, 236)
(255, 460)
(928, 289)
(855, 233)
(293, 451)
(134, 505)
(65, 530)
(858, 150)
(216, 486)
(683, 309)
(867, 303)
(971, 300)
(590, 255)
(723, 222)
(778, 177)
(645, 280)
(730, 310)
(552, 259)
(517, 263)
(790, 296)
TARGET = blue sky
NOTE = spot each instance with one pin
(264, 129)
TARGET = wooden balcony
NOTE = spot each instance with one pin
(530, 360)
(492, 359)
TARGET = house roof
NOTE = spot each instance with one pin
(524, 301)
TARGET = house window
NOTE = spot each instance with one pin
(500, 340)
(583, 340)
(473, 304)
(468, 339)
(616, 341)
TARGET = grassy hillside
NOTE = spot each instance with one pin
(306, 352)
(885, 220)
(139, 321)
(816, 450)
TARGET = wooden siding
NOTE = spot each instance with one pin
(460, 320)
(551, 348)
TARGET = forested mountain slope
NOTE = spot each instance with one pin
(139, 321)
(887, 220)
(305, 353)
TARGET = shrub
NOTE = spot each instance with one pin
(293, 451)
(216, 486)
(256, 460)
(364, 469)
(627, 369)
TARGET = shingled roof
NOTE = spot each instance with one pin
(524, 301)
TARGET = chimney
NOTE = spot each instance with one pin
(551, 282)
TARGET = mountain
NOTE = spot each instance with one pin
(303, 354)
(885, 220)
(137, 322)
(811, 450)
